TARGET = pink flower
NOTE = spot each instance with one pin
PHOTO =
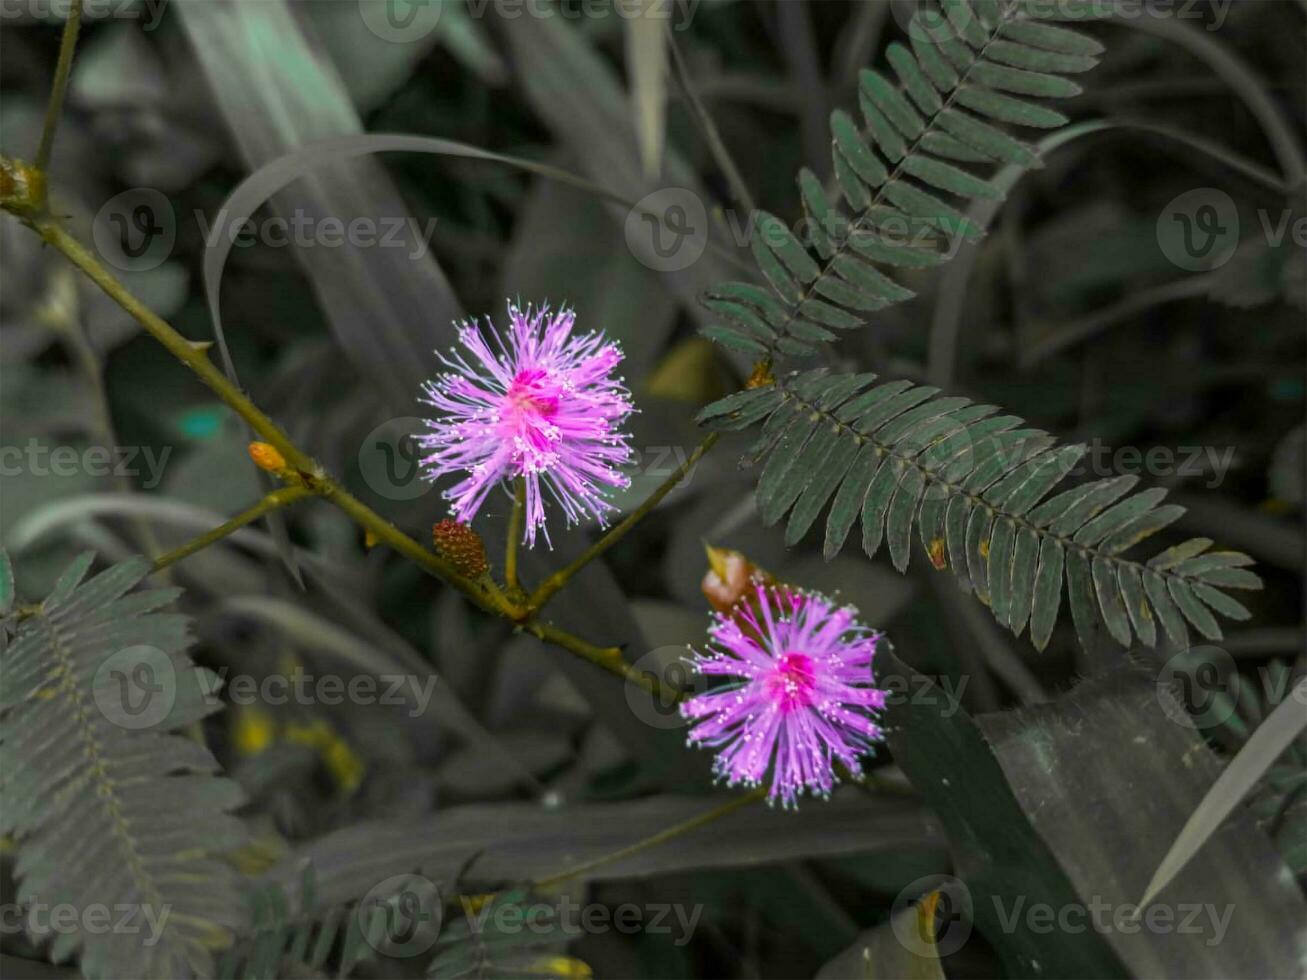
(804, 696)
(543, 406)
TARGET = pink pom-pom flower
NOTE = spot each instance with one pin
(541, 404)
(803, 697)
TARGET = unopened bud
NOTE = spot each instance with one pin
(462, 547)
(267, 457)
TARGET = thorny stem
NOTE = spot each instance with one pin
(25, 197)
(662, 837)
(273, 501)
(309, 476)
(514, 532)
(615, 534)
(63, 69)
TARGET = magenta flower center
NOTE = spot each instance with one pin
(530, 406)
(791, 682)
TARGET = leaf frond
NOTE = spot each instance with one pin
(109, 809)
(905, 172)
(985, 497)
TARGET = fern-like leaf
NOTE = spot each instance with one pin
(904, 172)
(282, 942)
(979, 488)
(108, 809)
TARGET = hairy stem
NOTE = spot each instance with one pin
(273, 501)
(615, 534)
(609, 658)
(64, 67)
(662, 837)
(304, 473)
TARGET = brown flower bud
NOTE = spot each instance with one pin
(731, 577)
(462, 547)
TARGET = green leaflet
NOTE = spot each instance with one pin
(937, 113)
(81, 799)
(982, 497)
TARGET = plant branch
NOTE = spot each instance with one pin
(514, 533)
(63, 69)
(303, 473)
(609, 658)
(302, 467)
(560, 578)
(662, 837)
(273, 501)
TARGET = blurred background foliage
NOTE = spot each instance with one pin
(1069, 313)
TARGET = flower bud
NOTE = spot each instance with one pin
(267, 457)
(462, 547)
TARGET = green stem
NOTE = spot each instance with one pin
(273, 501)
(64, 67)
(609, 658)
(311, 477)
(300, 462)
(615, 534)
(514, 532)
(662, 837)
